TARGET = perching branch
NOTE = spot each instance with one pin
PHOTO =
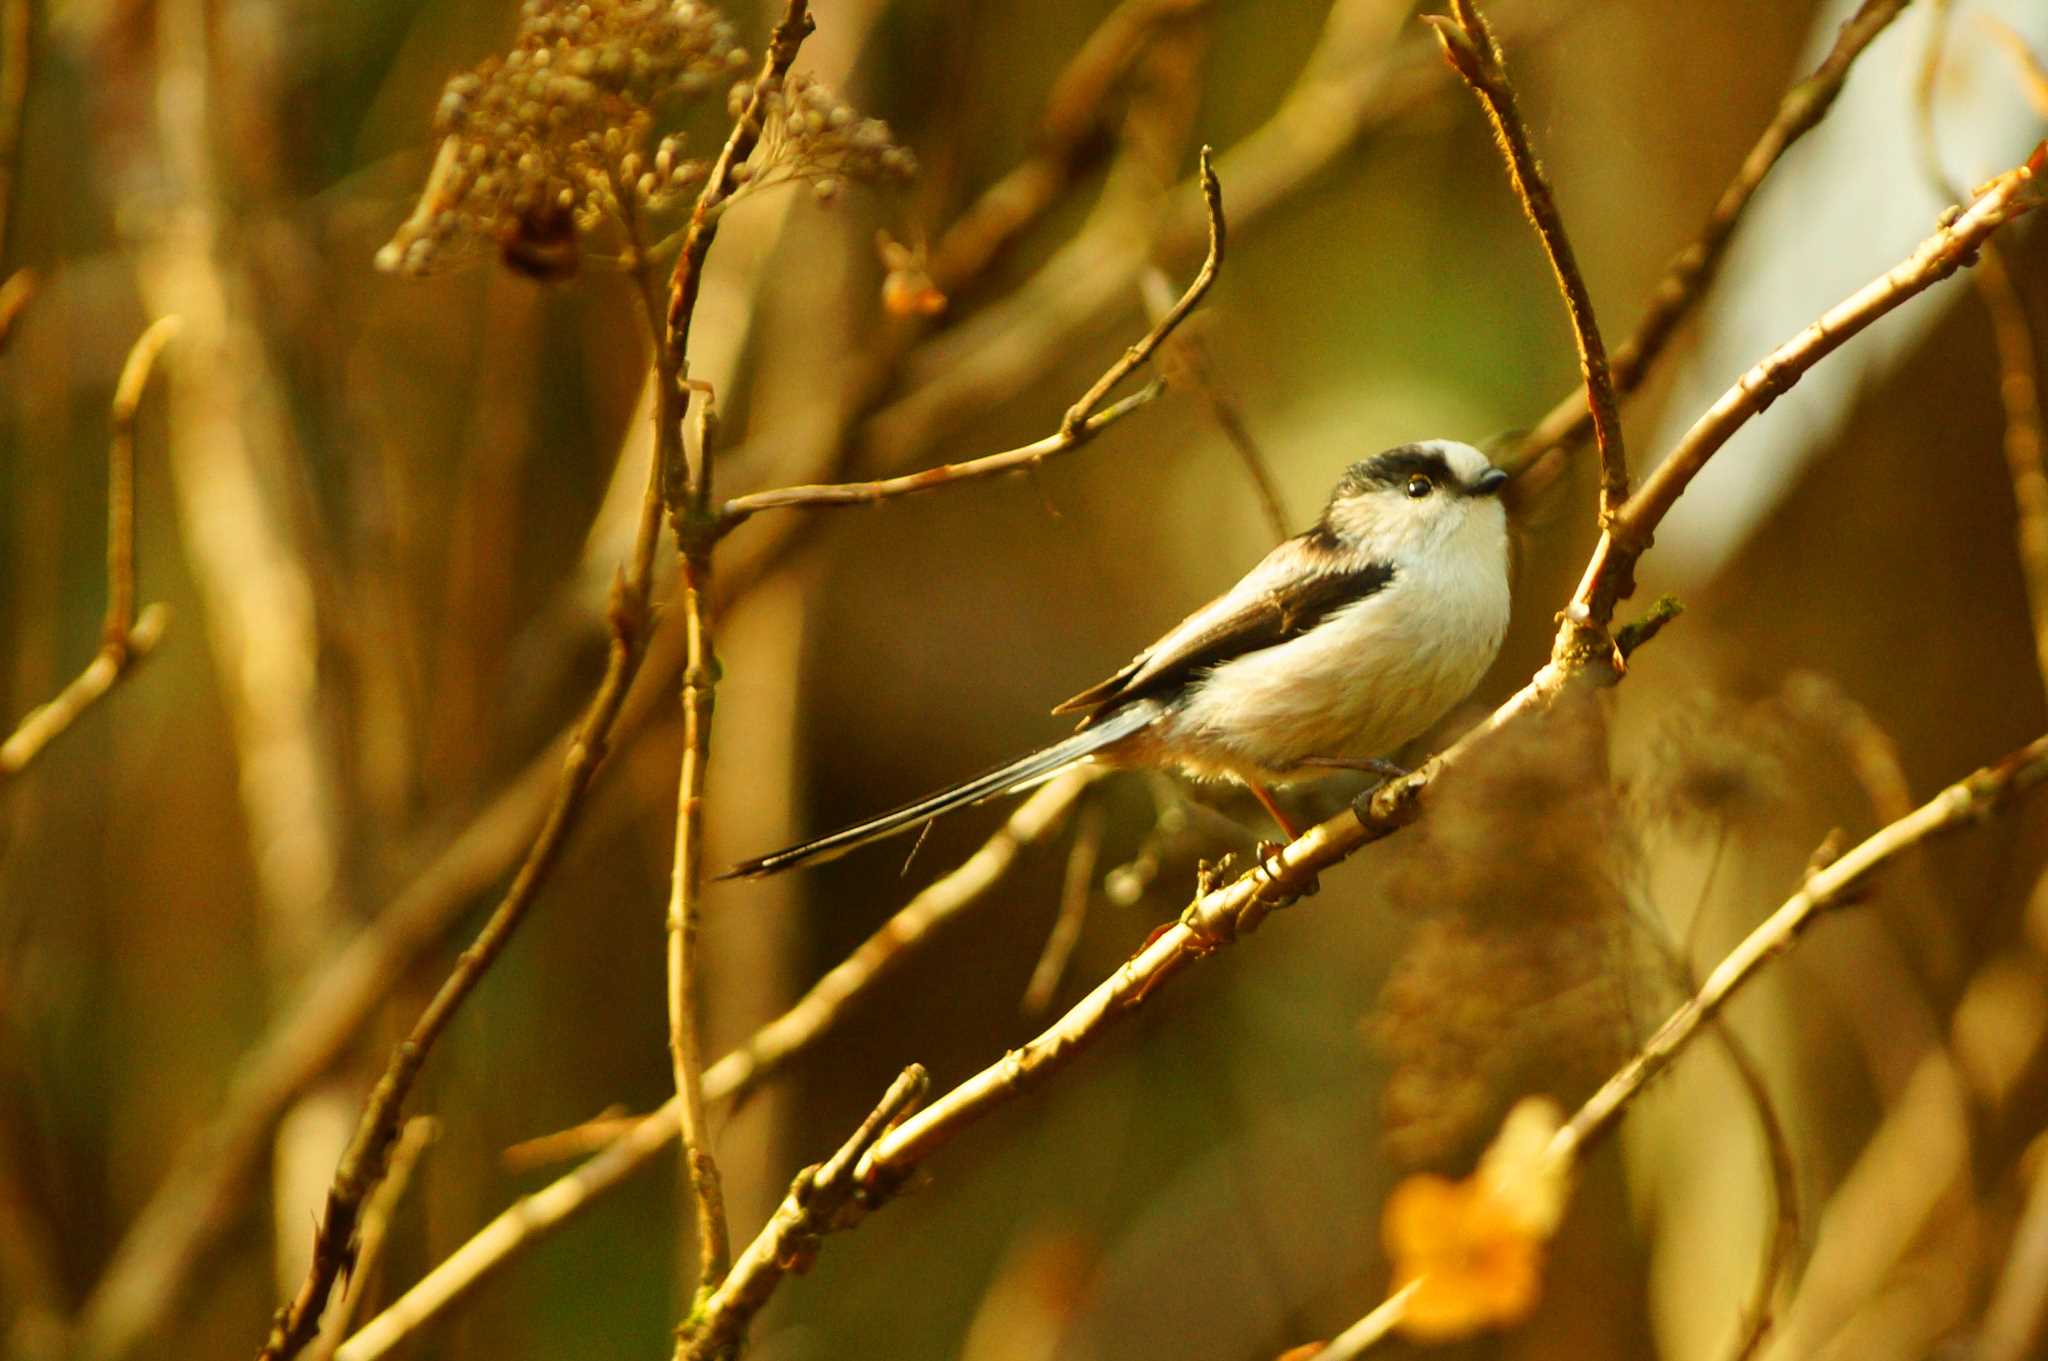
(1219, 915)
(763, 1055)
(1470, 45)
(820, 1200)
(1082, 422)
(125, 637)
(1692, 269)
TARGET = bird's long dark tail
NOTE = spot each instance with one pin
(1016, 777)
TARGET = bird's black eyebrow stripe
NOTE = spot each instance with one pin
(1395, 467)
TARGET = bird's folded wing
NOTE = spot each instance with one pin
(1294, 589)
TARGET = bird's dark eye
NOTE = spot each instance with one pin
(1420, 486)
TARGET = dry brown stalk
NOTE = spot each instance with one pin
(732, 1077)
(1469, 43)
(419, 1132)
(686, 889)
(1692, 269)
(125, 638)
(820, 1200)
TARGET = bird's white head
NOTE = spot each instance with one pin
(1423, 499)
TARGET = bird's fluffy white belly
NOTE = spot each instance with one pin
(1371, 677)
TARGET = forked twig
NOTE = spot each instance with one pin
(1082, 422)
(125, 637)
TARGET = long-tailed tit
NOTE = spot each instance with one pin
(1346, 642)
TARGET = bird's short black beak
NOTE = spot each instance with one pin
(1490, 481)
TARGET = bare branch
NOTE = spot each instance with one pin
(1956, 243)
(820, 1200)
(125, 639)
(1692, 269)
(1472, 49)
(1081, 423)
(1992, 790)
(686, 886)
(763, 1055)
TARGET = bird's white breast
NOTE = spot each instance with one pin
(1372, 676)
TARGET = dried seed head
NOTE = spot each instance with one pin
(548, 137)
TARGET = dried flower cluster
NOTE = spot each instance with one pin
(551, 139)
(809, 134)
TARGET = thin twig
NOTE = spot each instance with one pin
(686, 885)
(2012, 334)
(1023, 458)
(419, 1132)
(687, 493)
(1075, 893)
(1989, 791)
(1956, 243)
(821, 1199)
(763, 1055)
(688, 274)
(1189, 367)
(1362, 1336)
(1081, 423)
(1473, 51)
(1133, 358)
(125, 639)
(1686, 277)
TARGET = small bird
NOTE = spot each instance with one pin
(1344, 643)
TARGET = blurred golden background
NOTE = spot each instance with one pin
(384, 513)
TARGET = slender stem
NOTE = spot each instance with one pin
(124, 638)
(1692, 269)
(832, 495)
(1955, 244)
(686, 889)
(1473, 51)
(820, 1200)
(1212, 200)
